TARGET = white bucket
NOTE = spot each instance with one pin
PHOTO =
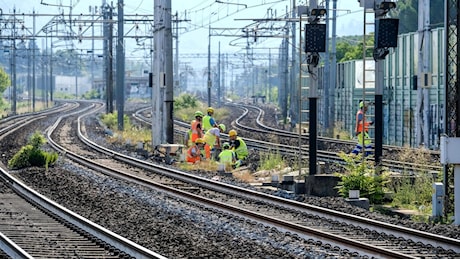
(221, 167)
(353, 194)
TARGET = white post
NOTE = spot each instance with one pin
(450, 155)
(457, 194)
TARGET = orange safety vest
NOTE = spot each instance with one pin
(191, 157)
(359, 125)
(196, 132)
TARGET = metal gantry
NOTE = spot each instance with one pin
(452, 100)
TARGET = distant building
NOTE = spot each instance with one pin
(70, 85)
(135, 87)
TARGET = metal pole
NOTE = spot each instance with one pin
(13, 65)
(51, 68)
(333, 79)
(378, 99)
(326, 76)
(33, 66)
(209, 67)
(105, 56)
(169, 94)
(294, 91)
(76, 75)
(313, 100)
(110, 61)
(120, 67)
(269, 74)
(176, 57)
(156, 113)
(92, 48)
(426, 69)
(218, 77)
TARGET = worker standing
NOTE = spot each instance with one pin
(362, 131)
(197, 126)
(238, 146)
(208, 120)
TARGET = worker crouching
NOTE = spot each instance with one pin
(227, 157)
(194, 153)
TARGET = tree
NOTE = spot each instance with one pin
(347, 51)
(407, 11)
(5, 81)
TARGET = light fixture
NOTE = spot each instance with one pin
(387, 5)
(318, 12)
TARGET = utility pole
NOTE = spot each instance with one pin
(332, 75)
(169, 95)
(176, 62)
(105, 33)
(51, 66)
(107, 13)
(93, 10)
(294, 90)
(120, 67)
(209, 67)
(13, 65)
(424, 75)
(218, 78)
(33, 65)
(163, 75)
(327, 73)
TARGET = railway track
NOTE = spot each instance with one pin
(295, 146)
(328, 148)
(32, 226)
(333, 230)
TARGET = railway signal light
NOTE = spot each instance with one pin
(315, 37)
(386, 33)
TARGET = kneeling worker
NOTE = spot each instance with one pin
(194, 152)
(227, 156)
(238, 146)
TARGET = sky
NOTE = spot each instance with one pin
(196, 16)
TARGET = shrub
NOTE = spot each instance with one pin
(185, 101)
(111, 121)
(32, 155)
(270, 161)
(21, 158)
(360, 175)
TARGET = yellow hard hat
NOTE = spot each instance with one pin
(232, 133)
(222, 127)
(210, 110)
(199, 141)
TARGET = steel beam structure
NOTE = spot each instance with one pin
(452, 95)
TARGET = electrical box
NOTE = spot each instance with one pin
(368, 4)
(425, 78)
(437, 199)
(449, 150)
(302, 10)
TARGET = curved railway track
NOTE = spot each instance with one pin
(32, 226)
(340, 235)
(338, 231)
(328, 148)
